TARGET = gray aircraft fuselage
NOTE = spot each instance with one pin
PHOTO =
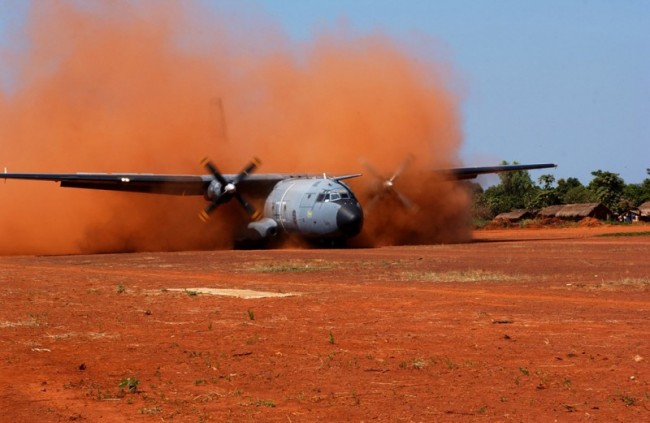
(316, 208)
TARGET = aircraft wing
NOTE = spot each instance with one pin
(473, 172)
(153, 183)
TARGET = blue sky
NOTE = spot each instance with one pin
(562, 81)
(551, 81)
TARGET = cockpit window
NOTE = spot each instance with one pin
(333, 196)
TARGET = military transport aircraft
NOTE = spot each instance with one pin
(320, 208)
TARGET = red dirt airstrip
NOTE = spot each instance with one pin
(521, 325)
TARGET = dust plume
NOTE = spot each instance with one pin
(122, 87)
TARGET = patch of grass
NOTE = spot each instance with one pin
(479, 223)
(251, 314)
(416, 363)
(356, 399)
(130, 384)
(331, 338)
(120, 289)
(627, 400)
(291, 266)
(617, 234)
(191, 293)
(613, 285)
(265, 403)
(150, 410)
(524, 223)
(477, 275)
(104, 395)
(331, 355)
(450, 364)
(631, 282)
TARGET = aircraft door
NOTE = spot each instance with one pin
(308, 200)
(277, 210)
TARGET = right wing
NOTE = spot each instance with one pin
(473, 172)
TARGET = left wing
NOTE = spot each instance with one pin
(153, 183)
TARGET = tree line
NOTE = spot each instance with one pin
(517, 190)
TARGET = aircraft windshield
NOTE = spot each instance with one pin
(333, 196)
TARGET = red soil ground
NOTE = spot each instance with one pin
(521, 325)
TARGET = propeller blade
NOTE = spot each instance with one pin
(204, 215)
(247, 170)
(214, 171)
(372, 170)
(252, 212)
(407, 161)
(406, 202)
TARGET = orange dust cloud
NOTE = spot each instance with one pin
(118, 87)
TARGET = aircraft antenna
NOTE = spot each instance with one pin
(219, 119)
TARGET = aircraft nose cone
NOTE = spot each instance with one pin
(349, 219)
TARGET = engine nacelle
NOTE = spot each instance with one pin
(213, 191)
(264, 228)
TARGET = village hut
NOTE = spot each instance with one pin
(580, 211)
(515, 215)
(644, 211)
(550, 211)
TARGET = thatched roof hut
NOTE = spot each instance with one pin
(644, 211)
(580, 211)
(576, 211)
(516, 215)
(550, 211)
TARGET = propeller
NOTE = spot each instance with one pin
(387, 185)
(221, 191)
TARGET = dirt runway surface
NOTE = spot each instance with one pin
(521, 325)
